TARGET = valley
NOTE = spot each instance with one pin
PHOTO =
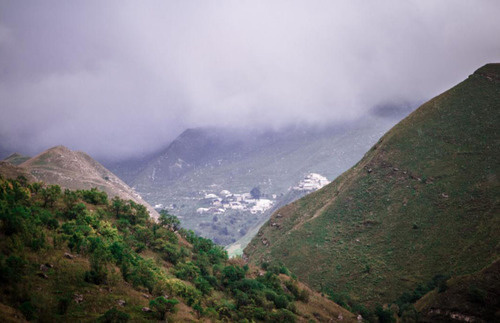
(201, 162)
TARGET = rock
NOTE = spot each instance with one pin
(78, 298)
(146, 309)
(42, 275)
(68, 255)
(444, 195)
(145, 296)
(395, 169)
(359, 318)
(121, 302)
(340, 317)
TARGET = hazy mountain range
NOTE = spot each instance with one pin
(206, 161)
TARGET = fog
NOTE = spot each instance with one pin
(122, 78)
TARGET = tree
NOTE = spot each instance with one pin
(163, 306)
(255, 192)
(50, 194)
(169, 221)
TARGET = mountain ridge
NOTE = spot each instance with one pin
(74, 170)
(426, 191)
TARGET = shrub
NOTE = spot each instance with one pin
(163, 306)
(231, 274)
(94, 196)
(187, 271)
(384, 316)
(282, 315)
(114, 316)
(28, 310)
(477, 295)
(63, 305)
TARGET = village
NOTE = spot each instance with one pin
(219, 204)
(253, 202)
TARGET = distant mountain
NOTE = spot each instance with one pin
(423, 201)
(16, 159)
(73, 170)
(209, 160)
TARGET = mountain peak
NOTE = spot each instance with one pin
(491, 71)
(77, 170)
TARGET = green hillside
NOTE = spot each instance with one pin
(422, 202)
(473, 297)
(68, 256)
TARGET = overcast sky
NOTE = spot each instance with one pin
(114, 78)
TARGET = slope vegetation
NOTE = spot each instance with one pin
(73, 170)
(422, 202)
(77, 256)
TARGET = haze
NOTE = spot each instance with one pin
(121, 78)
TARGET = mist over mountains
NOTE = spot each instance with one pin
(123, 80)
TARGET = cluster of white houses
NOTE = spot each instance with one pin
(218, 204)
(311, 182)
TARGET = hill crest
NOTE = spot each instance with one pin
(421, 202)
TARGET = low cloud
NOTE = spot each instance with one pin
(119, 78)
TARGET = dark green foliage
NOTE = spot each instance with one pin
(187, 271)
(99, 257)
(301, 295)
(384, 316)
(231, 274)
(94, 196)
(63, 304)
(28, 310)
(70, 198)
(114, 316)
(163, 306)
(169, 221)
(11, 269)
(203, 285)
(111, 235)
(50, 194)
(477, 295)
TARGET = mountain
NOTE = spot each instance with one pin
(16, 159)
(73, 170)
(75, 258)
(423, 201)
(206, 161)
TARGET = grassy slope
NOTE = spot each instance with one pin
(475, 296)
(422, 201)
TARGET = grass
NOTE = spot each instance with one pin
(423, 201)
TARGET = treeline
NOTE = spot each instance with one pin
(119, 239)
